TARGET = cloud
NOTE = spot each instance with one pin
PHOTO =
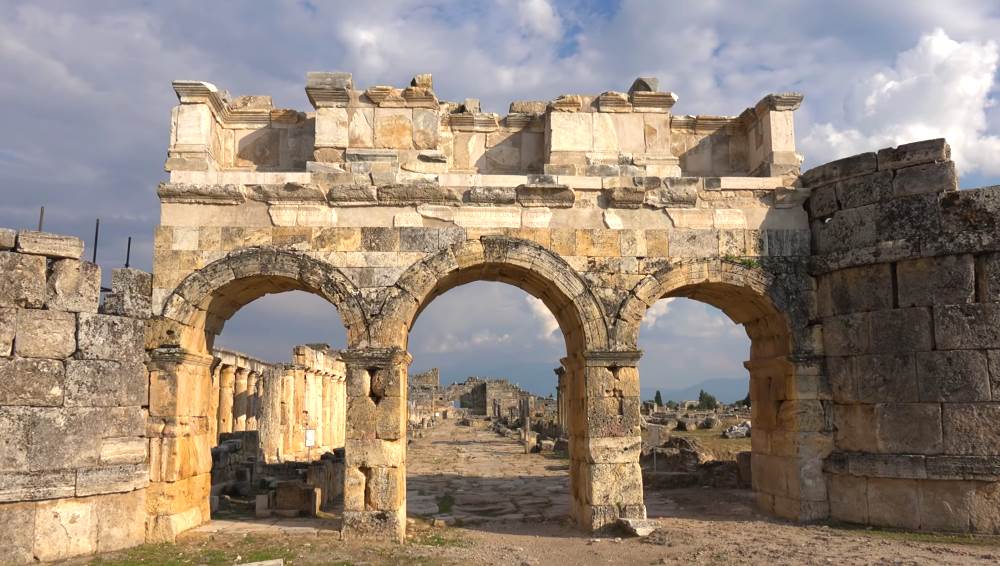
(547, 323)
(540, 18)
(449, 342)
(939, 88)
(658, 310)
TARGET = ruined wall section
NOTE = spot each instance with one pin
(74, 461)
(908, 275)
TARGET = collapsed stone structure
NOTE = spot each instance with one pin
(866, 286)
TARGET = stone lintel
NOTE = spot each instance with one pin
(608, 358)
(381, 357)
(167, 356)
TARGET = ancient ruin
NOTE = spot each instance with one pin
(869, 286)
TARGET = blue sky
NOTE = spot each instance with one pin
(85, 101)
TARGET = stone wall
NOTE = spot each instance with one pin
(908, 275)
(74, 461)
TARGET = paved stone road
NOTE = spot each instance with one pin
(473, 475)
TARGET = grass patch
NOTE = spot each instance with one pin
(438, 539)
(747, 262)
(174, 555)
(445, 503)
(712, 442)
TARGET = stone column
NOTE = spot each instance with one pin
(375, 450)
(180, 442)
(327, 422)
(240, 400)
(252, 400)
(227, 380)
(213, 407)
(605, 461)
(269, 422)
(561, 399)
(287, 412)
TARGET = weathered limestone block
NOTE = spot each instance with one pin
(970, 215)
(8, 237)
(694, 243)
(31, 382)
(856, 289)
(928, 178)
(63, 439)
(425, 128)
(121, 520)
(626, 197)
(332, 127)
(971, 326)
(890, 377)
(570, 131)
(847, 229)
(374, 525)
(22, 280)
(131, 293)
(953, 376)
(840, 169)
(676, 192)
(913, 428)
(124, 450)
(970, 428)
(17, 532)
(901, 330)
(417, 193)
(65, 528)
(33, 486)
(187, 193)
(295, 193)
(384, 488)
(49, 245)
(893, 502)
(492, 195)
(14, 429)
(393, 128)
(74, 286)
(45, 334)
(551, 196)
(352, 195)
(112, 479)
(849, 498)
(863, 190)
(855, 427)
(908, 217)
(916, 153)
(371, 453)
(936, 280)
(613, 484)
(106, 337)
(100, 383)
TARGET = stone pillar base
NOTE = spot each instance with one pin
(165, 528)
(601, 518)
(374, 525)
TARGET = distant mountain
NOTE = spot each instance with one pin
(725, 390)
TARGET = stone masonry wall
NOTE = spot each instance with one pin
(73, 402)
(908, 275)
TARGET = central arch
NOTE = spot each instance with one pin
(602, 386)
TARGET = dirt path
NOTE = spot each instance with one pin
(512, 509)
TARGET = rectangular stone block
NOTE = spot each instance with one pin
(45, 334)
(893, 503)
(864, 190)
(612, 416)
(614, 450)
(127, 450)
(107, 337)
(972, 326)
(385, 488)
(944, 505)
(49, 245)
(393, 128)
(14, 446)
(887, 465)
(65, 528)
(64, 438)
(916, 153)
(613, 484)
(31, 382)
(380, 239)
(860, 164)
(848, 229)
(849, 498)
(332, 127)
(570, 131)
(370, 453)
(927, 178)
(8, 326)
(901, 330)
(847, 335)
(971, 428)
(131, 294)
(963, 467)
(361, 127)
(8, 237)
(121, 520)
(390, 419)
(988, 277)
(74, 286)
(910, 428)
(855, 427)
(111, 479)
(908, 217)
(167, 498)
(33, 486)
(102, 383)
(953, 376)
(944, 280)
(17, 531)
(22, 280)
(889, 378)
(856, 289)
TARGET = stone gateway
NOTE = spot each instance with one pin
(869, 287)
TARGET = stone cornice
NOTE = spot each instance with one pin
(608, 358)
(200, 92)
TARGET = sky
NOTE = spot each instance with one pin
(85, 102)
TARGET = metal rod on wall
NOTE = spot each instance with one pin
(41, 218)
(97, 233)
(128, 251)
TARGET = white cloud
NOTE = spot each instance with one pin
(449, 342)
(540, 18)
(548, 325)
(939, 88)
(658, 310)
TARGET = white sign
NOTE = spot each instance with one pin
(310, 437)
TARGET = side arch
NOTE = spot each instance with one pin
(791, 410)
(207, 297)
